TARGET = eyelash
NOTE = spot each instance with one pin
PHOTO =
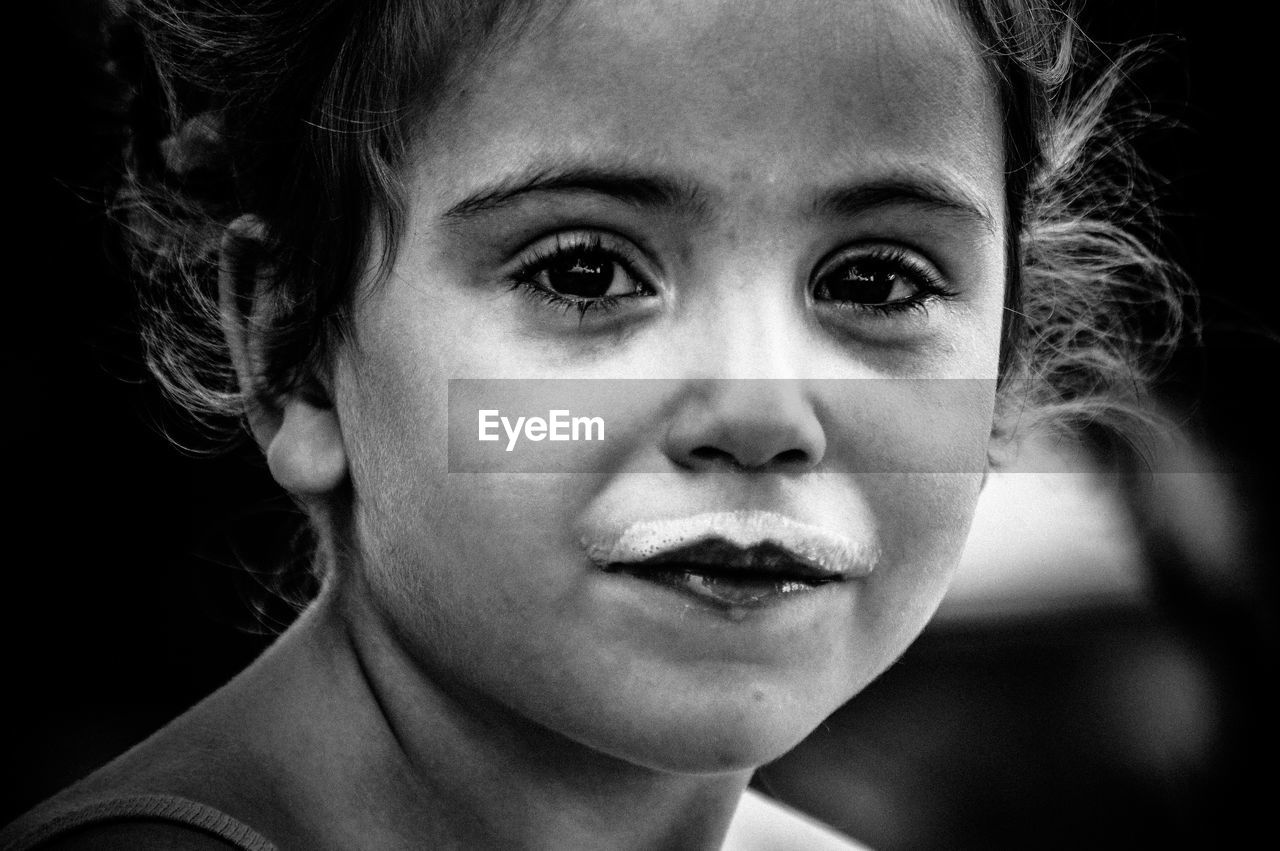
(929, 284)
(541, 259)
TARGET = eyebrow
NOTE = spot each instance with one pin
(915, 188)
(630, 186)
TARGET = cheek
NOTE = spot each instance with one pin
(447, 555)
(924, 521)
(916, 450)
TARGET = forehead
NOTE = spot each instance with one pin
(764, 91)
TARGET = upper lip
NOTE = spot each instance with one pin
(718, 556)
(761, 543)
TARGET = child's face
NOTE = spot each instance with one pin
(746, 178)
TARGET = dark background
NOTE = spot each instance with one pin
(124, 603)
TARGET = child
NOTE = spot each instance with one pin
(794, 258)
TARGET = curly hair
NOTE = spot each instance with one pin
(298, 111)
(1094, 305)
(302, 111)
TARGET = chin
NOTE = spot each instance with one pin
(714, 730)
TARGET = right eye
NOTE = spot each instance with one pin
(578, 271)
(585, 273)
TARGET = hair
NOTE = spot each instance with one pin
(301, 112)
(1094, 307)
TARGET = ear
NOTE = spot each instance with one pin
(299, 433)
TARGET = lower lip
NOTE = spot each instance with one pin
(726, 623)
(732, 595)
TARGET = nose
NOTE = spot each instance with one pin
(751, 410)
(755, 424)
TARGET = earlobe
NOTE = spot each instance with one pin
(306, 455)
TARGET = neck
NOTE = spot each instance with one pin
(449, 768)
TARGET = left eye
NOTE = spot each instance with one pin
(877, 279)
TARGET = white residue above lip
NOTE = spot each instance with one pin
(645, 539)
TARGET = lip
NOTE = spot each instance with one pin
(735, 559)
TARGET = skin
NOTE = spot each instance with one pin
(469, 677)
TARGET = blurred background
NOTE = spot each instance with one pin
(1108, 682)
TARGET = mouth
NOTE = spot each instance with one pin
(735, 560)
(723, 574)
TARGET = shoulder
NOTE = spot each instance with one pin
(763, 824)
(137, 836)
(75, 820)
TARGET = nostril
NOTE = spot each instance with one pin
(710, 453)
(791, 456)
(787, 458)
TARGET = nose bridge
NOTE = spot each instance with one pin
(751, 327)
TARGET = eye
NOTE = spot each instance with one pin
(584, 273)
(879, 278)
(581, 271)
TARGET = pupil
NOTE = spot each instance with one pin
(582, 276)
(864, 287)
